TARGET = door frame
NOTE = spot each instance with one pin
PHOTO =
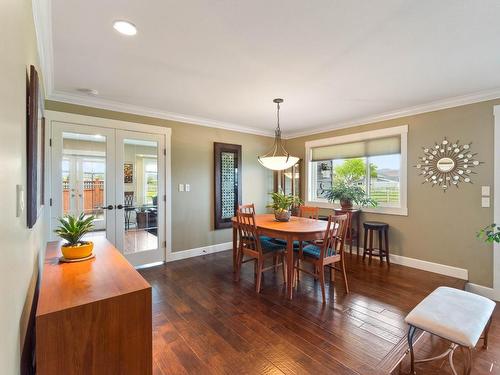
(496, 199)
(71, 118)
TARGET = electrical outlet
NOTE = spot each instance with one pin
(188, 187)
(181, 187)
(485, 191)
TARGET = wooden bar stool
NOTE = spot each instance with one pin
(383, 247)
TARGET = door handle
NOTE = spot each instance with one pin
(119, 206)
(109, 207)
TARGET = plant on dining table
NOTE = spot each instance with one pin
(282, 205)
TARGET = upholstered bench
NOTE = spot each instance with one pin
(454, 315)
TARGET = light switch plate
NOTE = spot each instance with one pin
(485, 202)
(485, 191)
(181, 187)
(188, 187)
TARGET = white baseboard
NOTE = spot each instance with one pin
(184, 254)
(483, 291)
(443, 269)
(459, 273)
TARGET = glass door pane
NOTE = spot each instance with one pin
(140, 187)
(82, 166)
(84, 175)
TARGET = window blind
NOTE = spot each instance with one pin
(369, 147)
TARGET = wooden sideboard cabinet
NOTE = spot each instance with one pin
(93, 317)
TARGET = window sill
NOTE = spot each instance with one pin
(373, 210)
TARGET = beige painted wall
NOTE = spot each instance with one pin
(440, 227)
(20, 246)
(192, 163)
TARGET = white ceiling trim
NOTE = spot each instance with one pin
(410, 111)
(111, 105)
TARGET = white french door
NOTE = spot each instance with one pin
(117, 176)
(140, 192)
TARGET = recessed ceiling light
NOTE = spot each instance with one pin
(125, 27)
(91, 92)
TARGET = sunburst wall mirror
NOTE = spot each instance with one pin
(447, 164)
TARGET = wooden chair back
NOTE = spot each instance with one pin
(335, 235)
(248, 235)
(128, 198)
(247, 208)
(309, 211)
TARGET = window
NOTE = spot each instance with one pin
(373, 160)
(150, 180)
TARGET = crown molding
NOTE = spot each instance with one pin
(111, 105)
(437, 105)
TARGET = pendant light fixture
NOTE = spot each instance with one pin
(277, 158)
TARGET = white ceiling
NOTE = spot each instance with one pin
(223, 61)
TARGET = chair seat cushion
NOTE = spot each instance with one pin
(266, 238)
(453, 314)
(312, 251)
(270, 245)
(296, 244)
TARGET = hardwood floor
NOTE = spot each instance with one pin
(205, 323)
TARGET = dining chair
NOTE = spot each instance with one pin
(328, 253)
(256, 248)
(309, 212)
(248, 208)
(128, 203)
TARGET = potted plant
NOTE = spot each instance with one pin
(282, 205)
(490, 234)
(348, 194)
(72, 229)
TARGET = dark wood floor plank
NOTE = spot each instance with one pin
(205, 323)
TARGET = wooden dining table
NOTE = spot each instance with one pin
(298, 228)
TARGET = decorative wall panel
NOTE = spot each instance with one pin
(227, 176)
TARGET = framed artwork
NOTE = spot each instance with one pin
(227, 181)
(35, 148)
(128, 173)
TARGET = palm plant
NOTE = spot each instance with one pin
(73, 228)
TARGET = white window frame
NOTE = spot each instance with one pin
(402, 131)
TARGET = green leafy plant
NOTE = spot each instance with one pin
(348, 194)
(490, 233)
(284, 202)
(352, 170)
(73, 228)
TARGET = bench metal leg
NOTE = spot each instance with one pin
(468, 361)
(448, 353)
(486, 331)
(411, 333)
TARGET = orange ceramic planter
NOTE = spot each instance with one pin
(76, 252)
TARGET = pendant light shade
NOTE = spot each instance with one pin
(278, 159)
